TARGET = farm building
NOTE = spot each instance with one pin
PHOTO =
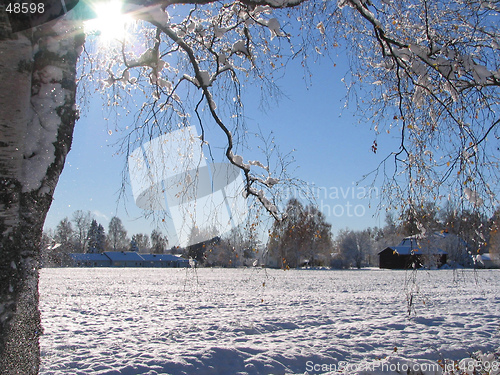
(126, 259)
(164, 260)
(412, 252)
(89, 260)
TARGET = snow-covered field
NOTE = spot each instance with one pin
(255, 321)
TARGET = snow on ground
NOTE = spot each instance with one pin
(255, 321)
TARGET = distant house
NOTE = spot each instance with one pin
(124, 259)
(412, 252)
(89, 260)
(127, 259)
(164, 260)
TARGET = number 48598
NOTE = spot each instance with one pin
(25, 8)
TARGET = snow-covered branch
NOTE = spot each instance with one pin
(435, 74)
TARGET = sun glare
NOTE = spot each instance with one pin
(110, 23)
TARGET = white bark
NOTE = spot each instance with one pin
(37, 116)
(15, 79)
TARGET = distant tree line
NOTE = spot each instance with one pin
(303, 239)
(84, 234)
(237, 248)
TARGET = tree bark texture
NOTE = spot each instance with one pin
(37, 117)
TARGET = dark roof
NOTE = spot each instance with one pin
(410, 245)
(408, 250)
(161, 257)
(89, 257)
(121, 256)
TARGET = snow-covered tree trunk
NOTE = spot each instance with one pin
(37, 116)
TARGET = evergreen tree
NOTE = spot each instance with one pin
(101, 238)
(96, 238)
(64, 235)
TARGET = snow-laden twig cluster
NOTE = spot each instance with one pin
(435, 78)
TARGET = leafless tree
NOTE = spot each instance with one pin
(82, 221)
(117, 235)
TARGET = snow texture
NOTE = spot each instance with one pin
(42, 130)
(204, 78)
(321, 27)
(258, 164)
(238, 160)
(473, 197)
(271, 181)
(240, 46)
(255, 321)
(165, 84)
(159, 15)
(275, 28)
(149, 57)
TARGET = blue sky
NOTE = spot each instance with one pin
(332, 151)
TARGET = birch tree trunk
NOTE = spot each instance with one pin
(37, 117)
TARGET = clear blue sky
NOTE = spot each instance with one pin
(333, 152)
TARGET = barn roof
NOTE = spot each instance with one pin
(161, 257)
(89, 257)
(408, 250)
(123, 256)
(410, 245)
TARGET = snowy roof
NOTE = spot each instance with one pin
(89, 257)
(161, 257)
(410, 245)
(123, 256)
(408, 250)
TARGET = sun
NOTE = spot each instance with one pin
(110, 24)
